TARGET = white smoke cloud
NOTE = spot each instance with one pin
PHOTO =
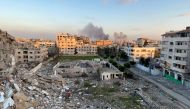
(94, 32)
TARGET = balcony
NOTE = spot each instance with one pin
(177, 69)
(181, 47)
(181, 54)
(180, 62)
(176, 39)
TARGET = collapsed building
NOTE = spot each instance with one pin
(108, 71)
(76, 68)
(104, 70)
(7, 45)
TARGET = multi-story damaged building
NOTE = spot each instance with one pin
(86, 49)
(49, 44)
(72, 44)
(7, 45)
(175, 55)
(24, 55)
(145, 42)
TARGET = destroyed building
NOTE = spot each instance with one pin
(76, 68)
(108, 71)
(7, 45)
(24, 55)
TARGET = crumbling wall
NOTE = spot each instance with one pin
(7, 45)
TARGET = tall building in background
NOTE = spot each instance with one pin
(72, 44)
(46, 43)
(66, 43)
(144, 42)
(175, 53)
(103, 43)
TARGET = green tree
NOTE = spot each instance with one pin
(121, 68)
(76, 51)
(132, 62)
(123, 55)
(113, 62)
(142, 60)
(127, 65)
(147, 62)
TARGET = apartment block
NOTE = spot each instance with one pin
(87, 49)
(136, 52)
(145, 42)
(72, 44)
(24, 55)
(103, 43)
(66, 43)
(42, 43)
(175, 54)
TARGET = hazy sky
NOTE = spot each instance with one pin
(44, 18)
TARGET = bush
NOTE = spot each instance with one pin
(132, 62)
(112, 57)
(113, 62)
(121, 68)
(127, 65)
(87, 84)
(128, 75)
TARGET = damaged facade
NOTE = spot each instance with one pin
(7, 45)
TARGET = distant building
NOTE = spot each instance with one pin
(103, 43)
(22, 40)
(145, 42)
(71, 44)
(24, 55)
(66, 43)
(135, 53)
(42, 43)
(86, 49)
(175, 55)
(50, 45)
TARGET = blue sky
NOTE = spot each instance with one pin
(44, 18)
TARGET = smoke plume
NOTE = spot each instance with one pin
(120, 37)
(94, 32)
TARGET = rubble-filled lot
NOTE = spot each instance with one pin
(45, 90)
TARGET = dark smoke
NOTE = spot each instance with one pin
(94, 32)
(120, 37)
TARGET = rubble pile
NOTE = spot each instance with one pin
(45, 89)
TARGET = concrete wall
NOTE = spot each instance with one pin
(146, 69)
(187, 84)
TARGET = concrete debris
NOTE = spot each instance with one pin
(64, 86)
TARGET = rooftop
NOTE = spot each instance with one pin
(171, 33)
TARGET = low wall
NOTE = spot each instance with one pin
(147, 69)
